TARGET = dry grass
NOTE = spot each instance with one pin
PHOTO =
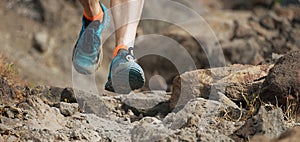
(9, 72)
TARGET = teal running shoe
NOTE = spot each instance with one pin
(87, 53)
(124, 73)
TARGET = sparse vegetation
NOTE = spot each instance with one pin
(9, 72)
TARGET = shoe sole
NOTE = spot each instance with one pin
(135, 80)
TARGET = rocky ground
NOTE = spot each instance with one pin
(44, 113)
(253, 98)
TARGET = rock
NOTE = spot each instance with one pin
(207, 137)
(243, 52)
(150, 103)
(291, 135)
(260, 138)
(284, 12)
(196, 121)
(267, 122)
(201, 114)
(76, 135)
(233, 23)
(295, 34)
(68, 109)
(39, 118)
(279, 45)
(12, 138)
(235, 81)
(102, 106)
(225, 100)
(242, 29)
(268, 22)
(281, 83)
(55, 95)
(67, 95)
(40, 41)
(149, 129)
(89, 103)
(7, 93)
(266, 34)
(108, 129)
(11, 112)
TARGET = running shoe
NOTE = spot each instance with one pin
(124, 73)
(87, 53)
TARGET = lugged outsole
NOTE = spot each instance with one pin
(127, 80)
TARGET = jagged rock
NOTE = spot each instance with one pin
(149, 103)
(46, 123)
(102, 106)
(195, 122)
(266, 122)
(6, 92)
(202, 114)
(68, 109)
(282, 83)
(109, 129)
(11, 112)
(149, 129)
(89, 103)
(235, 81)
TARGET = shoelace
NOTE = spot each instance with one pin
(130, 55)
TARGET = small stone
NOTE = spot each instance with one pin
(76, 135)
(12, 138)
(268, 22)
(68, 109)
(40, 41)
(157, 82)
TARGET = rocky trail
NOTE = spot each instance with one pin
(45, 113)
(254, 97)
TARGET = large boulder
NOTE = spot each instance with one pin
(235, 81)
(282, 84)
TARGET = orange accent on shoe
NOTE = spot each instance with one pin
(99, 16)
(118, 48)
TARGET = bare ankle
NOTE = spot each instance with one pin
(93, 10)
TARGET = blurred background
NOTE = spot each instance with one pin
(38, 36)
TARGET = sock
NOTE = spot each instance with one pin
(119, 47)
(99, 16)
